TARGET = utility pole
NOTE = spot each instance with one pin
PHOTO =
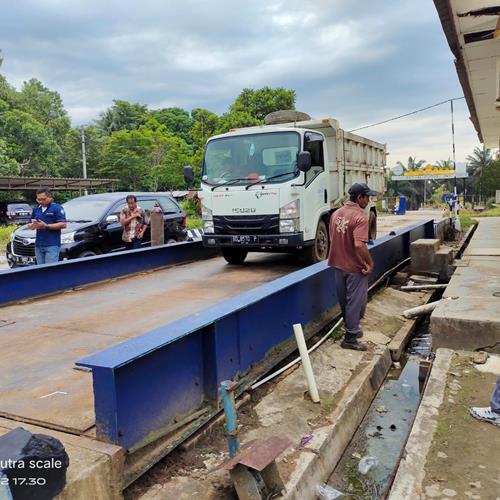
(84, 158)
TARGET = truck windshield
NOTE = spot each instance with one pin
(249, 158)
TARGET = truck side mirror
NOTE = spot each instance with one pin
(188, 175)
(304, 161)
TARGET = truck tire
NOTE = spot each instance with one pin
(234, 255)
(372, 226)
(319, 250)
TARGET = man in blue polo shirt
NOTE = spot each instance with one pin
(48, 219)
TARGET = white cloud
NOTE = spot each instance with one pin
(357, 62)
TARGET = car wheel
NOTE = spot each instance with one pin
(87, 253)
(170, 241)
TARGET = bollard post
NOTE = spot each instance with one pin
(227, 392)
(306, 363)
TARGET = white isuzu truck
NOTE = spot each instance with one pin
(273, 188)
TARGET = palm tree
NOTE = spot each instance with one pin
(413, 164)
(476, 163)
(445, 163)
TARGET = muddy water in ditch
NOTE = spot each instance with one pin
(379, 441)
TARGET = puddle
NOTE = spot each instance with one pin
(385, 428)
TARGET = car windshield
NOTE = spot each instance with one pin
(18, 206)
(81, 209)
(254, 157)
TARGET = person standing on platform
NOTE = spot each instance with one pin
(352, 262)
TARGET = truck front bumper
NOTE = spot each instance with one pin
(255, 241)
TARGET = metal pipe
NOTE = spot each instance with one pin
(306, 362)
(227, 393)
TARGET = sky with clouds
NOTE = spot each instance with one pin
(359, 61)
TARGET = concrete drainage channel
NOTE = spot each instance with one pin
(368, 465)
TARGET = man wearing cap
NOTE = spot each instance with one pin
(351, 260)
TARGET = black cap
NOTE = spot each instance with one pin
(358, 189)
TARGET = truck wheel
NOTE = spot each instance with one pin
(372, 226)
(319, 250)
(234, 255)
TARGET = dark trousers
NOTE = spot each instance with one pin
(352, 292)
(132, 245)
(495, 398)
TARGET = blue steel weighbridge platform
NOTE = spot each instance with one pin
(165, 379)
(144, 386)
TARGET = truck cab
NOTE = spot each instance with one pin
(272, 188)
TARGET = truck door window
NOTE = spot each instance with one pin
(314, 144)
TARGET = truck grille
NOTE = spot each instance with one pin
(246, 224)
(24, 250)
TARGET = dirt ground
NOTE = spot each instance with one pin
(464, 460)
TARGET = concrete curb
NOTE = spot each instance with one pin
(331, 441)
(410, 474)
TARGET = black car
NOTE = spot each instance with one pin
(14, 212)
(93, 227)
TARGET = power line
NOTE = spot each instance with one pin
(407, 114)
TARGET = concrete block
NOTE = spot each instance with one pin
(467, 323)
(423, 255)
(444, 262)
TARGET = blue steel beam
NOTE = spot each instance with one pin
(149, 382)
(29, 282)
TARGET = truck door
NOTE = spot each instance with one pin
(316, 194)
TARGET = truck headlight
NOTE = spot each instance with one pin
(290, 210)
(208, 227)
(206, 213)
(67, 238)
(289, 225)
(290, 217)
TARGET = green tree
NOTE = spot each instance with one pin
(147, 158)
(123, 115)
(235, 119)
(46, 107)
(29, 143)
(72, 152)
(205, 125)
(478, 161)
(176, 120)
(262, 101)
(412, 164)
(490, 180)
(8, 166)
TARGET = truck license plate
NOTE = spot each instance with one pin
(245, 240)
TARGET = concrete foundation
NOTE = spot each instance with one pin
(428, 256)
(473, 320)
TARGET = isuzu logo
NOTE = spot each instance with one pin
(244, 210)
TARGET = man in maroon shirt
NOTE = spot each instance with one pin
(350, 258)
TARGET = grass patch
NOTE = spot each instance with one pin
(194, 223)
(5, 232)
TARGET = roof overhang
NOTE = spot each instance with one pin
(471, 28)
